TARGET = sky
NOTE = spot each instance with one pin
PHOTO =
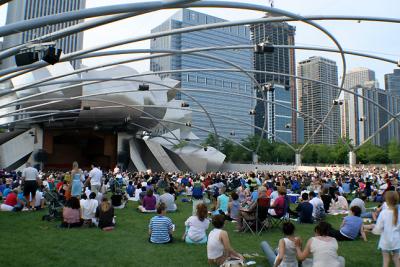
(380, 39)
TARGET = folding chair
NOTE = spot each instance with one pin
(251, 223)
(275, 221)
(263, 205)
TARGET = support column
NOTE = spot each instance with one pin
(352, 158)
(255, 158)
(298, 159)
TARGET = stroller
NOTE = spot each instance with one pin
(55, 205)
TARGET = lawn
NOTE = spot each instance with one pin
(26, 240)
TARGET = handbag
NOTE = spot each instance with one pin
(233, 263)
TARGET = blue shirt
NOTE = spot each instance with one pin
(223, 203)
(160, 227)
(346, 188)
(352, 226)
(6, 192)
(254, 195)
(130, 190)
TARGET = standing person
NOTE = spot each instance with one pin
(322, 247)
(95, 176)
(161, 227)
(31, 180)
(388, 226)
(77, 177)
(218, 246)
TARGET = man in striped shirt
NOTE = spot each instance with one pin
(161, 227)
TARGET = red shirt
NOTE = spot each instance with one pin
(11, 199)
(279, 206)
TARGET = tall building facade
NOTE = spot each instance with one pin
(19, 10)
(279, 119)
(316, 98)
(232, 84)
(363, 117)
(392, 86)
(358, 77)
(282, 60)
(355, 78)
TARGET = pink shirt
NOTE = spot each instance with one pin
(71, 215)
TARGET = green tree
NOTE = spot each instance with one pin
(370, 153)
(394, 151)
(211, 141)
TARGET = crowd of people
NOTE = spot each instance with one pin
(304, 197)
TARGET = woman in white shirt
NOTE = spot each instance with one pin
(196, 226)
(388, 226)
(322, 247)
(218, 247)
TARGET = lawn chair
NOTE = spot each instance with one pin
(263, 204)
(275, 221)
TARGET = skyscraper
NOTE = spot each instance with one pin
(279, 119)
(363, 117)
(19, 10)
(316, 99)
(229, 83)
(282, 60)
(358, 77)
(355, 78)
(392, 86)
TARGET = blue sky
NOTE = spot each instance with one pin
(382, 39)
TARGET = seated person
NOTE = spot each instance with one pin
(21, 202)
(339, 203)
(39, 200)
(149, 202)
(326, 199)
(279, 205)
(161, 227)
(323, 248)
(10, 202)
(105, 215)
(318, 206)
(89, 207)
(218, 246)
(6, 191)
(138, 190)
(72, 214)
(234, 207)
(286, 248)
(248, 213)
(169, 200)
(360, 202)
(142, 194)
(130, 189)
(351, 228)
(196, 226)
(305, 210)
(222, 202)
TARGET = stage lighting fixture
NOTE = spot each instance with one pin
(52, 55)
(86, 108)
(184, 105)
(252, 112)
(268, 87)
(144, 87)
(26, 58)
(263, 48)
(188, 124)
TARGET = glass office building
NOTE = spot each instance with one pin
(224, 93)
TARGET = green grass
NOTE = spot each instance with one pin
(26, 240)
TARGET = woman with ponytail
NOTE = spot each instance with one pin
(388, 226)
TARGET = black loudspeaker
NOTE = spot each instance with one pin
(26, 58)
(52, 55)
(41, 156)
